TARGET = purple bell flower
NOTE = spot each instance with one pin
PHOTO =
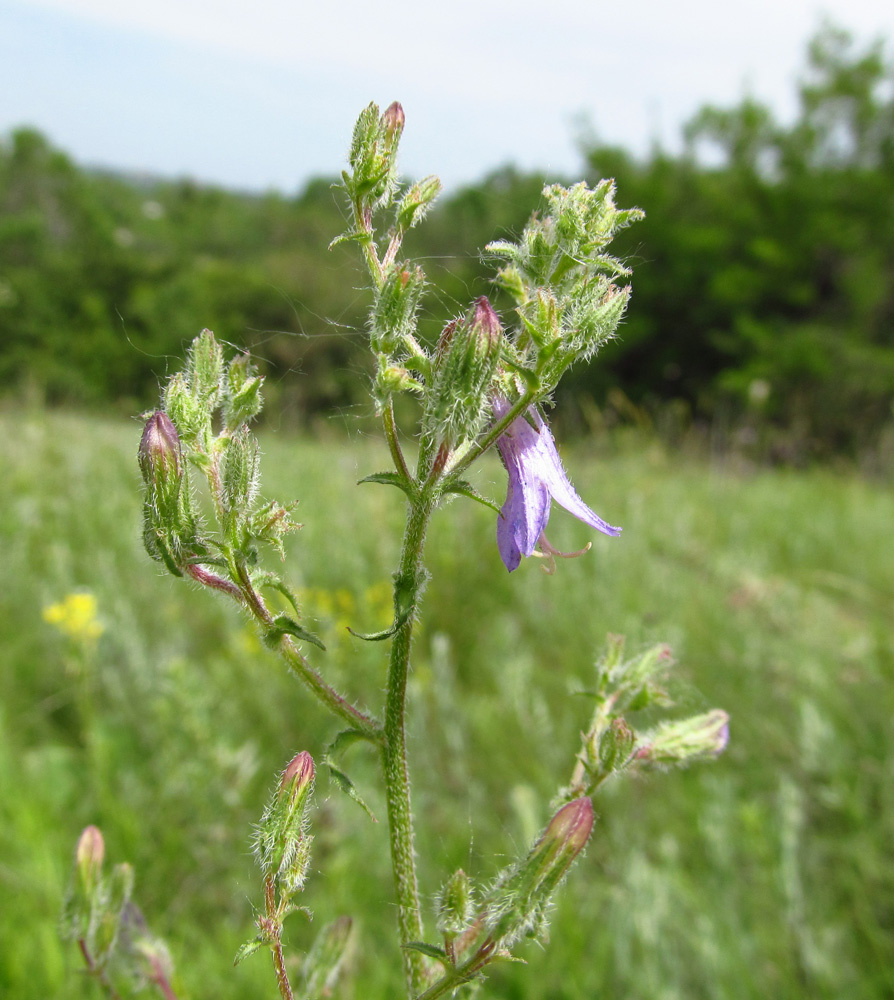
(536, 478)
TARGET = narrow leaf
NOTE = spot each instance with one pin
(432, 950)
(249, 948)
(466, 489)
(347, 786)
(391, 479)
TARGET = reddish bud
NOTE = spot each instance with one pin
(159, 454)
(393, 119)
(89, 856)
(298, 775)
(569, 830)
(486, 322)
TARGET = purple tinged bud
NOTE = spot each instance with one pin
(568, 831)
(394, 120)
(701, 737)
(297, 778)
(486, 322)
(160, 454)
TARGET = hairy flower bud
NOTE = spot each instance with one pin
(89, 856)
(519, 901)
(160, 456)
(467, 356)
(281, 843)
(297, 778)
(456, 907)
(701, 737)
(564, 838)
(615, 746)
(393, 120)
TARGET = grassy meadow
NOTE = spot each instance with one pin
(767, 873)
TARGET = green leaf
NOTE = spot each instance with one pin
(284, 625)
(347, 786)
(406, 595)
(249, 948)
(345, 739)
(354, 237)
(466, 489)
(432, 950)
(264, 578)
(391, 479)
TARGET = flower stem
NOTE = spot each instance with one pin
(274, 929)
(394, 749)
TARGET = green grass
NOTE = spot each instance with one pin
(768, 873)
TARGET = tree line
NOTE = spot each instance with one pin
(763, 272)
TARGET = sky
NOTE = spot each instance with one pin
(263, 94)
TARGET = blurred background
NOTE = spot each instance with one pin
(166, 167)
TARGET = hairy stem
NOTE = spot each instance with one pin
(298, 662)
(274, 929)
(394, 751)
(98, 974)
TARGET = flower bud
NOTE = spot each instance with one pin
(467, 356)
(393, 315)
(205, 369)
(701, 737)
(615, 746)
(89, 856)
(297, 779)
(160, 455)
(564, 838)
(456, 907)
(281, 844)
(393, 121)
(519, 902)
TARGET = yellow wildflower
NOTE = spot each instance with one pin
(75, 616)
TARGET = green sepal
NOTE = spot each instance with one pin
(347, 786)
(432, 950)
(392, 479)
(249, 948)
(466, 489)
(284, 625)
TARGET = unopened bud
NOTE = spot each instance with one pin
(205, 368)
(519, 901)
(393, 120)
(281, 843)
(393, 315)
(699, 738)
(456, 906)
(616, 745)
(298, 777)
(565, 836)
(89, 856)
(242, 399)
(467, 356)
(160, 455)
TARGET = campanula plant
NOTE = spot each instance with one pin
(484, 384)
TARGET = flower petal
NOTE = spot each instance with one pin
(549, 466)
(524, 514)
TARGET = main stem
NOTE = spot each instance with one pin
(394, 753)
